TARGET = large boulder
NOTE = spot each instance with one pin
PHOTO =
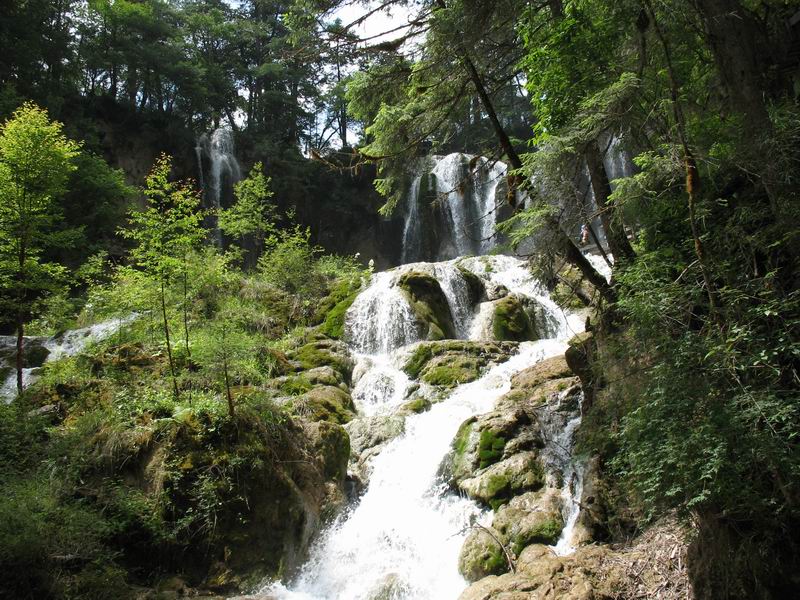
(324, 403)
(429, 304)
(368, 437)
(517, 318)
(324, 353)
(498, 483)
(454, 361)
(531, 518)
(481, 555)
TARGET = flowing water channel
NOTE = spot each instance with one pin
(402, 539)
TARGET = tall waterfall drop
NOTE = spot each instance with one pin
(223, 169)
(452, 207)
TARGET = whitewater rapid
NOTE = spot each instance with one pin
(402, 539)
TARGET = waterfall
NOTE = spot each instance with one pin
(463, 215)
(63, 345)
(412, 228)
(402, 539)
(224, 170)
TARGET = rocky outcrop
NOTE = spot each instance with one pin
(653, 566)
(452, 362)
(502, 459)
(368, 436)
(429, 304)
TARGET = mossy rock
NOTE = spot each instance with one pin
(415, 406)
(490, 448)
(531, 518)
(497, 484)
(481, 556)
(485, 440)
(546, 370)
(324, 403)
(477, 290)
(451, 370)
(429, 304)
(331, 445)
(512, 320)
(324, 352)
(579, 356)
(482, 352)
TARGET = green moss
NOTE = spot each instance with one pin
(295, 386)
(461, 441)
(429, 304)
(416, 406)
(421, 355)
(490, 448)
(323, 353)
(495, 563)
(334, 321)
(547, 532)
(498, 490)
(511, 321)
(324, 403)
(453, 372)
(474, 284)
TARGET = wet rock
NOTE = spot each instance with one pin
(500, 482)
(392, 586)
(482, 555)
(592, 522)
(551, 368)
(429, 304)
(324, 403)
(531, 518)
(368, 437)
(428, 356)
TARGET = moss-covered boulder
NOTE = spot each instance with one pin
(497, 484)
(324, 403)
(451, 370)
(324, 352)
(514, 320)
(429, 304)
(481, 555)
(465, 360)
(531, 518)
(331, 445)
(475, 285)
(416, 405)
(485, 440)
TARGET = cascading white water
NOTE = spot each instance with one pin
(465, 214)
(412, 228)
(559, 422)
(403, 538)
(66, 344)
(224, 170)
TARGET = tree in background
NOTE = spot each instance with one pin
(251, 215)
(35, 162)
(166, 232)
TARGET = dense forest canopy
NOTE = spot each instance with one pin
(224, 311)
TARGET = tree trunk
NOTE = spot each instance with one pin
(169, 345)
(732, 38)
(225, 373)
(615, 232)
(21, 315)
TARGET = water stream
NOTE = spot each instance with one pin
(402, 539)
